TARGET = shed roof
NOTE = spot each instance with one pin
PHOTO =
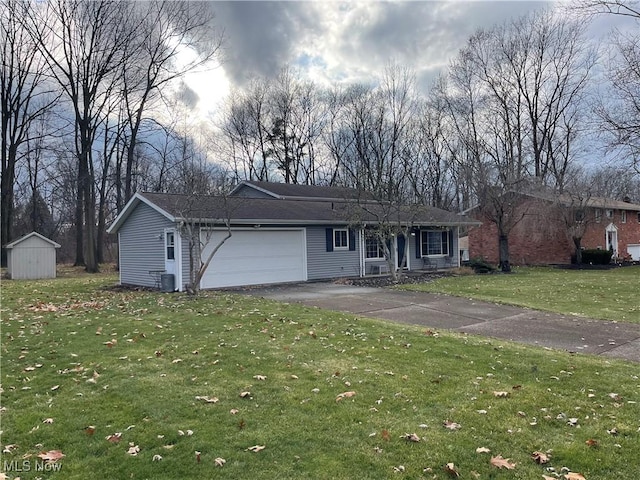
(28, 236)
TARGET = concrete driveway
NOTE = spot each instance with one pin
(574, 334)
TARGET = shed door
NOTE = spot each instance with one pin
(254, 257)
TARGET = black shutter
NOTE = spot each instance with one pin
(329, 232)
(418, 254)
(352, 239)
(451, 243)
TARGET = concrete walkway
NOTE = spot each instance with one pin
(573, 334)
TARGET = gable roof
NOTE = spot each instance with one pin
(255, 211)
(32, 234)
(290, 191)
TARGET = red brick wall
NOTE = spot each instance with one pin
(540, 238)
(628, 232)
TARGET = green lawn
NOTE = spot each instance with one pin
(328, 395)
(602, 294)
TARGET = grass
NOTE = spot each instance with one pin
(78, 353)
(600, 294)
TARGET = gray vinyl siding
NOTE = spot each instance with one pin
(322, 264)
(142, 246)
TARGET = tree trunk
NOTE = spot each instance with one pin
(503, 249)
(577, 242)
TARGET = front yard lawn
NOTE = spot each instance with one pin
(144, 385)
(603, 294)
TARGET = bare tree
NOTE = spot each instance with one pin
(84, 45)
(164, 33)
(24, 98)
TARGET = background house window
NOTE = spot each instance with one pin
(609, 213)
(435, 242)
(170, 241)
(598, 214)
(340, 238)
(373, 248)
(623, 216)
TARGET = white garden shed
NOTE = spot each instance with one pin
(31, 257)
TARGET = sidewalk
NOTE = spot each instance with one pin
(563, 332)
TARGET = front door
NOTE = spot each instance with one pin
(400, 240)
(612, 239)
(170, 251)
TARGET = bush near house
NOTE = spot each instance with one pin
(596, 257)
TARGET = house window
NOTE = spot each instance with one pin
(373, 248)
(170, 242)
(598, 215)
(609, 213)
(340, 239)
(579, 216)
(638, 217)
(623, 216)
(434, 242)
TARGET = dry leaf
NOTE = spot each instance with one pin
(547, 477)
(245, 394)
(198, 456)
(540, 457)
(411, 437)
(233, 411)
(48, 420)
(501, 394)
(450, 468)
(574, 476)
(90, 430)
(207, 399)
(386, 436)
(451, 425)
(256, 448)
(591, 443)
(133, 449)
(482, 450)
(345, 395)
(156, 458)
(502, 462)
(51, 456)
(259, 377)
(219, 462)
(114, 438)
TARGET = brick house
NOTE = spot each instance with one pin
(545, 225)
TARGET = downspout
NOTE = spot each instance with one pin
(362, 253)
(178, 248)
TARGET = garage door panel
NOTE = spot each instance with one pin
(252, 257)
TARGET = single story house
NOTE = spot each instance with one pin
(546, 223)
(31, 257)
(280, 233)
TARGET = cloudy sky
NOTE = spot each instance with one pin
(348, 41)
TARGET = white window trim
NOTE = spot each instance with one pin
(423, 254)
(623, 216)
(380, 249)
(336, 247)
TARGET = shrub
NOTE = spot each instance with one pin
(597, 257)
(480, 265)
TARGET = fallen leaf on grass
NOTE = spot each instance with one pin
(345, 395)
(502, 462)
(386, 436)
(51, 456)
(48, 420)
(245, 394)
(256, 448)
(233, 411)
(90, 430)
(450, 468)
(591, 443)
(482, 450)
(207, 399)
(501, 394)
(133, 449)
(198, 456)
(540, 457)
(219, 462)
(114, 438)
(156, 458)
(451, 425)
(260, 377)
(411, 437)
(9, 448)
(574, 476)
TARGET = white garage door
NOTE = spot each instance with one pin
(634, 251)
(256, 256)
